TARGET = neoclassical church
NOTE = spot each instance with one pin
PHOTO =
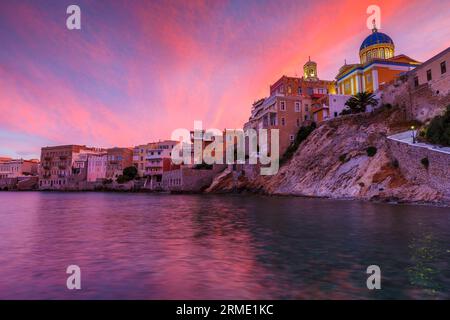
(378, 65)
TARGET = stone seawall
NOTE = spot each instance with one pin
(410, 157)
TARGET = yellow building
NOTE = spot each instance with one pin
(378, 66)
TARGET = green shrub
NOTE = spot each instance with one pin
(301, 136)
(425, 162)
(343, 158)
(438, 131)
(122, 179)
(395, 163)
(371, 151)
(130, 172)
(203, 166)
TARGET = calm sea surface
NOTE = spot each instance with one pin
(219, 247)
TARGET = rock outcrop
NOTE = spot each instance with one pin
(333, 162)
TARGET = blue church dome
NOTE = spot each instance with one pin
(376, 38)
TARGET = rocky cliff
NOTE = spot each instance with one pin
(333, 162)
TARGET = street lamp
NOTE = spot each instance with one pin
(413, 133)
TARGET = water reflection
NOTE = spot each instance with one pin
(218, 247)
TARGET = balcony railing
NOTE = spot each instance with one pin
(47, 158)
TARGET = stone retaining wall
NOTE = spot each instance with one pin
(409, 158)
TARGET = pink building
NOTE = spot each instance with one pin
(15, 168)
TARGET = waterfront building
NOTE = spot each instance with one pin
(117, 160)
(140, 156)
(378, 65)
(158, 160)
(15, 168)
(290, 104)
(89, 166)
(96, 167)
(56, 165)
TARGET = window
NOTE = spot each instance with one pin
(416, 82)
(299, 90)
(298, 122)
(291, 137)
(283, 122)
(306, 117)
(283, 105)
(443, 67)
(335, 114)
(297, 106)
(306, 107)
(289, 89)
(429, 75)
(369, 78)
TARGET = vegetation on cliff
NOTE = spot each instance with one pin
(359, 103)
(301, 136)
(438, 131)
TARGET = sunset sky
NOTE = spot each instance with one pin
(137, 70)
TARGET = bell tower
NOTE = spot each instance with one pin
(310, 70)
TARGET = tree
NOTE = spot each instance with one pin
(359, 102)
(130, 172)
(438, 131)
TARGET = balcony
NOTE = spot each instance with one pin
(48, 158)
(153, 171)
(154, 157)
(62, 167)
(63, 158)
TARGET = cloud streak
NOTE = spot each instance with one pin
(137, 70)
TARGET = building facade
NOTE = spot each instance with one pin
(424, 92)
(329, 107)
(56, 166)
(15, 168)
(140, 157)
(117, 160)
(290, 104)
(158, 160)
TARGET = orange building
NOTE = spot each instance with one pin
(290, 104)
(378, 66)
(117, 160)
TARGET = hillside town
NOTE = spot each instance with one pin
(420, 90)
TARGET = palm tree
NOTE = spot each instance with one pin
(359, 102)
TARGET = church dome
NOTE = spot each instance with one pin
(377, 45)
(376, 38)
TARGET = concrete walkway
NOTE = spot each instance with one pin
(406, 137)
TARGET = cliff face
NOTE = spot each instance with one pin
(333, 162)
